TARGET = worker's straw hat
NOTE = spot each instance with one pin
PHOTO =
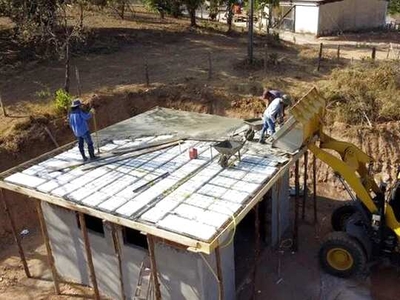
(76, 103)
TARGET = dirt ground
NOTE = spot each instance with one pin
(178, 63)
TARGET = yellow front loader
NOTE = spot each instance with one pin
(367, 228)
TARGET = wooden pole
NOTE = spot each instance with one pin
(219, 274)
(265, 58)
(303, 212)
(321, 46)
(146, 73)
(209, 66)
(78, 81)
(315, 188)
(46, 239)
(251, 33)
(150, 241)
(51, 136)
(15, 234)
(373, 54)
(256, 248)
(338, 53)
(3, 109)
(89, 258)
(95, 131)
(117, 248)
(296, 208)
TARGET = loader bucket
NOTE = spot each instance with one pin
(304, 123)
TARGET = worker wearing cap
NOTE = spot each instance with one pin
(273, 112)
(78, 122)
(271, 95)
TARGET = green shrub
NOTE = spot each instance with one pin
(62, 101)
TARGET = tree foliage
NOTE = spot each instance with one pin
(394, 7)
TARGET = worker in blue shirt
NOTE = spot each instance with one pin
(78, 122)
(273, 112)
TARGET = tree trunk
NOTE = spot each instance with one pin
(229, 19)
(81, 17)
(67, 68)
(192, 13)
(123, 9)
(269, 24)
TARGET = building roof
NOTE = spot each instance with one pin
(161, 192)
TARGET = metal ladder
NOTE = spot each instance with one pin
(144, 288)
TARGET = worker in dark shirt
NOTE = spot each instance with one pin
(78, 122)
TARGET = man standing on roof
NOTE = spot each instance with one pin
(78, 122)
(273, 112)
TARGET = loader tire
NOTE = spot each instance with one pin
(342, 256)
(341, 215)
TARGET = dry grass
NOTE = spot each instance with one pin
(364, 91)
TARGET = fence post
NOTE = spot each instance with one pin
(3, 109)
(320, 56)
(209, 66)
(146, 73)
(338, 53)
(373, 54)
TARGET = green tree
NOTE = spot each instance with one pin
(394, 7)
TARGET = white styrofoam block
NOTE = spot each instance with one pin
(233, 173)
(132, 206)
(66, 177)
(223, 181)
(200, 200)
(104, 180)
(111, 204)
(34, 170)
(235, 196)
(95, 198)
(254, 177)
(118, 185)
(47, 176)
(252, 159)
(177, 196)
(153, 215)
(124, 169)
(265, 170)
(54, 163)
(212, 190)
(246, 187)
(189, 227)
(212, 218)
(64, 190)
(25, 180)
(188, 211)
(138, 173)
(80, 194)
(108, 147)
(121, 142)
(244, 166)
(224, 207)
(159, 211)
(48, 186)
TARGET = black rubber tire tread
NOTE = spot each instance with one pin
(340, 239)
(341, 214)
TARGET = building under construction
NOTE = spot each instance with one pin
(155, 216)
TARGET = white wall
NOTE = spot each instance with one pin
(350, 15)
(70, 259)
(306, 19)
(184, 275)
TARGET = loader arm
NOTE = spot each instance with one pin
(307, 126)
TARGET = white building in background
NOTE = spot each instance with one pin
(324, 17)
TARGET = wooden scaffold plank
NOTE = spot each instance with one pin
(89, 258)
(150, 241)
(117, 248)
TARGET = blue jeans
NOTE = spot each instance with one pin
(268, 124)
(88, 139)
